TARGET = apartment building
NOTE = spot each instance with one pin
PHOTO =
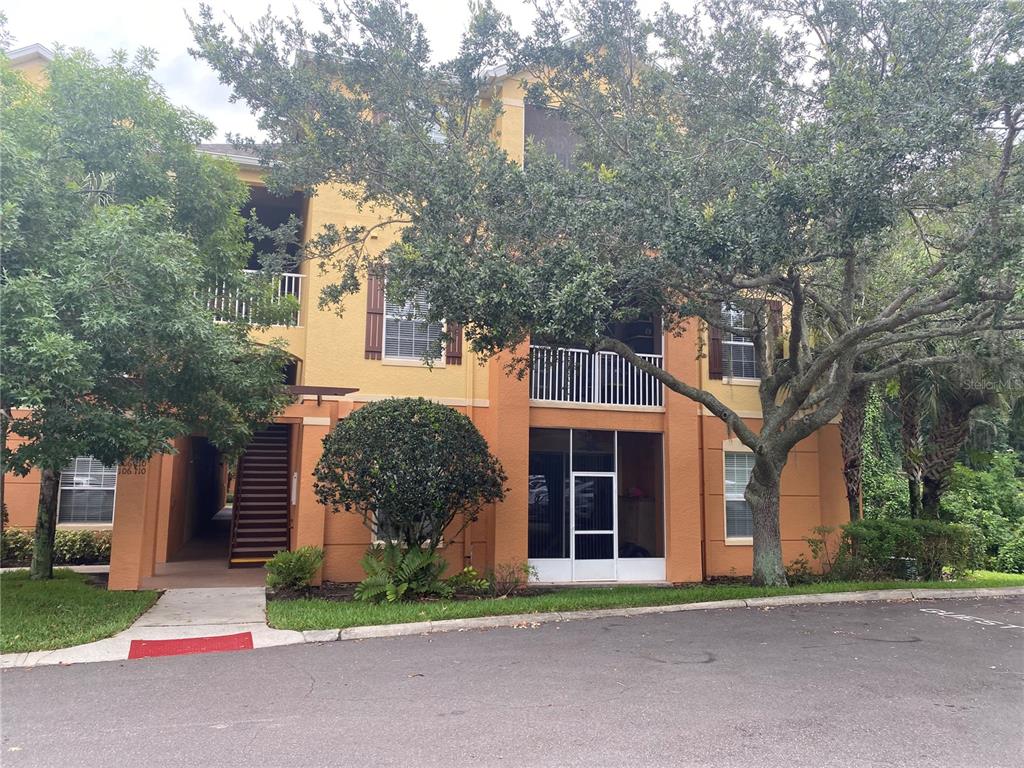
(611, 477)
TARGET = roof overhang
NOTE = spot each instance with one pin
(29, 52)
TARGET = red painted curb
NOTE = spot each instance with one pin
(142, 649)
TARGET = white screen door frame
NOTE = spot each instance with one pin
(587, 569)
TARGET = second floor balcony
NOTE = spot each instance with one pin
(578, 376)
(228, 304)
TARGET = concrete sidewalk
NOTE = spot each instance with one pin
(178, 614)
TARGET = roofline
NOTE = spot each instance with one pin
(236, 159)
(19, 55)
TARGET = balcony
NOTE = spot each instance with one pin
(226, 304)
(593, 378)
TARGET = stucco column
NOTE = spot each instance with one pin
(509, 438)
(136, 511)
(308, 513)
(683, 507)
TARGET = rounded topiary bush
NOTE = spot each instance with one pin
(408, 466)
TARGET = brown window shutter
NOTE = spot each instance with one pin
(374, 316)
(453, 350)
(714, 352)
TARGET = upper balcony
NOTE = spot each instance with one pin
(227, 304)
(578, 376)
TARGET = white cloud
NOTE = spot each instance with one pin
(105, 25)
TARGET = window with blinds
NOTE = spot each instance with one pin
(738, 358)
(407, 334)
(739, 522)
(86, 492)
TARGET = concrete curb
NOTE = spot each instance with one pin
(116, 648)
(524, 620)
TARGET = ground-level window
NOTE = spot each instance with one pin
(739, 522)
(580, 462)
(86, 492)
(738, 358)
(407, 334)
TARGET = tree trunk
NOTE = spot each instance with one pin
(851, 433)
(763, 496)
(914, 493)
(952, 426)
(46, 526)
(910, 438)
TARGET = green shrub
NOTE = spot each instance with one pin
(409, 468)
(83, 547)
(70, 547)
(1011, 554)
(295, 569)
(15, 547)
(468, 581)
(394, 572)
(873, 549)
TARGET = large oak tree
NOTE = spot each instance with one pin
(750, 153)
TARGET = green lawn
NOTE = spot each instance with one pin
(44, 615)
(327, 614)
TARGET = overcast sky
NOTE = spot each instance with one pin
(105, 25)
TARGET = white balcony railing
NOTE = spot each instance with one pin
(599, 378)
(226, 304)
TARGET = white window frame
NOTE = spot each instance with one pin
(735, 447)
(391, 317)
(731, 341)
(73, 485)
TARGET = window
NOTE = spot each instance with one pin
(738, 358)
(739, 522)
(545, 127)
(86, 492)
(407, 334)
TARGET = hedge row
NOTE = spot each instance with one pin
(71, 547)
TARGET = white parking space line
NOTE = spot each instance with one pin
(971, 619)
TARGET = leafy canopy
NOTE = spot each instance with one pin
(857, 161)
(408, 467)
(114, 231)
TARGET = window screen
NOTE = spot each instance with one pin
(86, 492)
(406, 331)
(738, 358)
(739, 522)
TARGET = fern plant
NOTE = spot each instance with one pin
(394, 573)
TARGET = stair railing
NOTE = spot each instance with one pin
(235, 500)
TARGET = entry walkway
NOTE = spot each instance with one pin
(179, 614)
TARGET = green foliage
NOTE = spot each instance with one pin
(850, 149)
(408, 467)
(70, 547)
(991, 499)
(884, 483)
(906, 548)
(1011, 554)
(294, 569)
(394, 573)
(15, 547)
(114, 232)
(468, 582)
(81, 547)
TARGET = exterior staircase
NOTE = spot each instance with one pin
(259, 521)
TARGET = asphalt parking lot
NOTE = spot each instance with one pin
(930, 683)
